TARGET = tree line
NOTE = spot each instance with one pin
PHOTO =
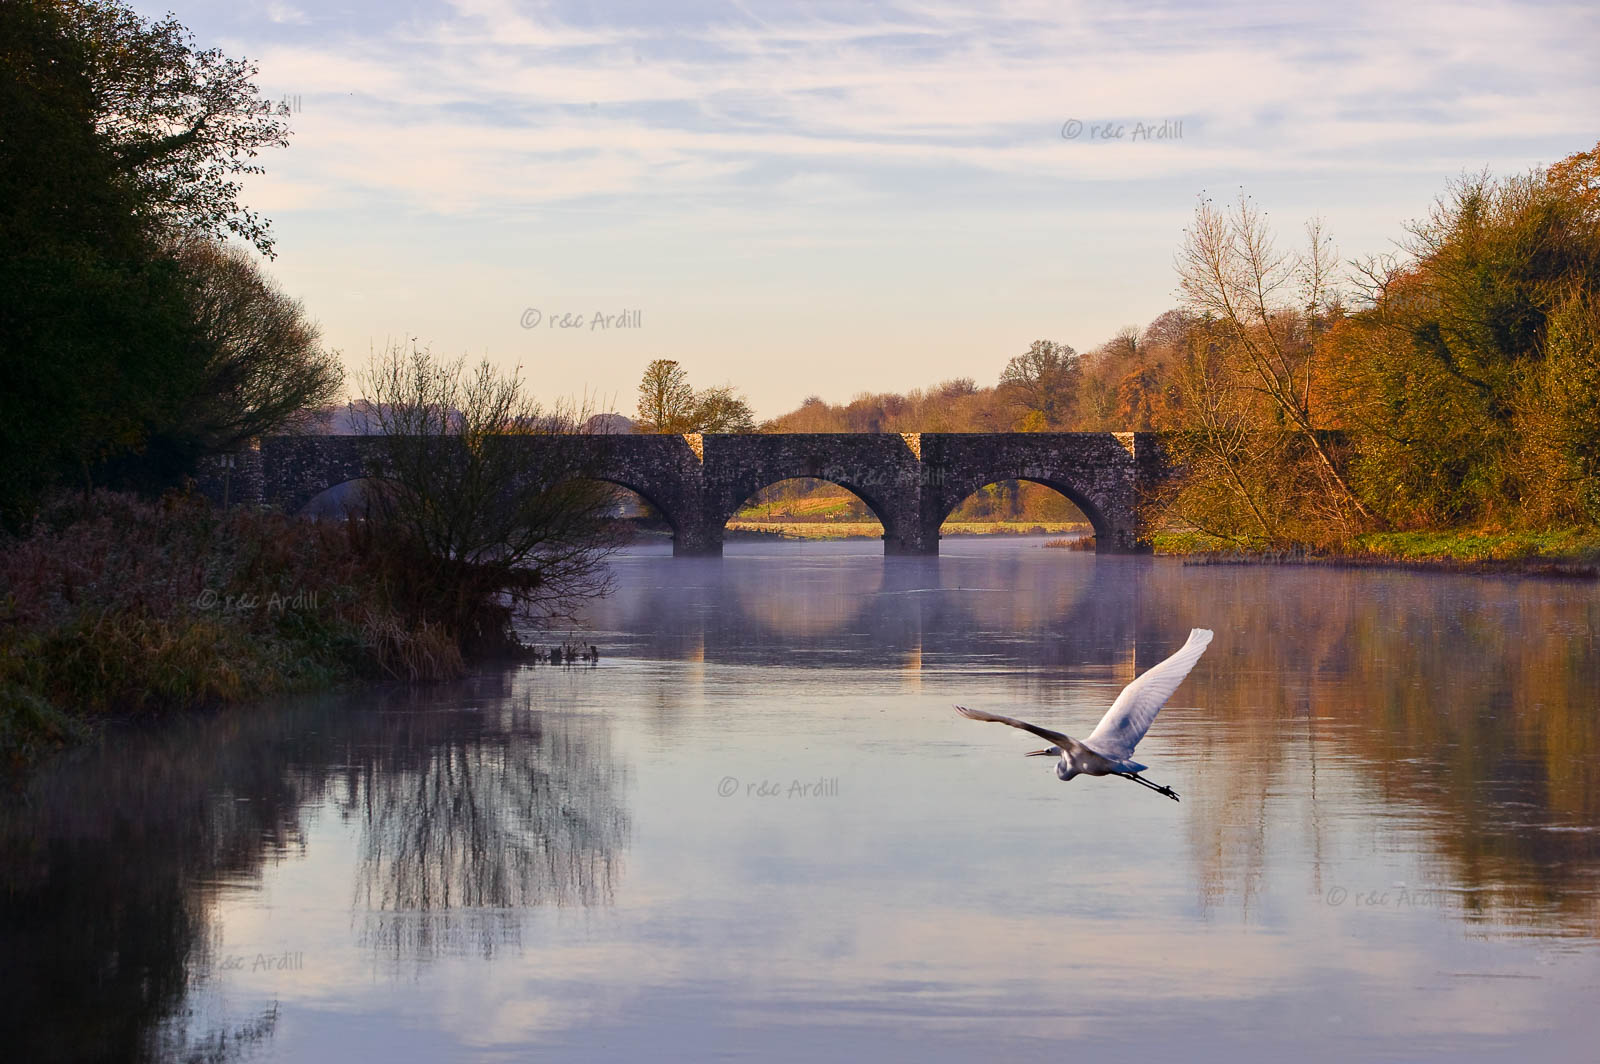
(134, 338)
(140, 335)
(1453, 384)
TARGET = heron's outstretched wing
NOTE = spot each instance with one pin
(1066, 742)
(1131, 715)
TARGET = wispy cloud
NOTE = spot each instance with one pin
(619, 106)
(285, 14)
(918, 143)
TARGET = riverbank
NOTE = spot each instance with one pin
(827, 530)
(117, 608)
(1568, 552)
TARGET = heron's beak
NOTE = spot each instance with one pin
(1049, 751)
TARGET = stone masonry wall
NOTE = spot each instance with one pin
(911, 481)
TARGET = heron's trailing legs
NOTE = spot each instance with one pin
(1158, 788)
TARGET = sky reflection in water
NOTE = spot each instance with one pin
(757, 827)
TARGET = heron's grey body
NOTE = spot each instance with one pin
(1108, 750)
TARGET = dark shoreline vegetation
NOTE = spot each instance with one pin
(118, 608)
(121, 609)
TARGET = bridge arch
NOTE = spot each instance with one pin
(1101, 472)
(880, 508)
(683, 521)
(880, 469)
(951, 499)
(297, 469)
(336, 501)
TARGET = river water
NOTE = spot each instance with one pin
(757, 829)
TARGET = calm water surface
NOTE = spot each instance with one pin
(758, 829)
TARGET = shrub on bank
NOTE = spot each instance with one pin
(1471, 546)
(1485, 548)
(111, 606)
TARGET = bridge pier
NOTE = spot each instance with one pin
(916, 534)
(698, 539)
(910, 547)
(232, 479)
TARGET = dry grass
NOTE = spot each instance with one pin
(1009, 528)
(874, 530)
(1554, 552)
(116, 607)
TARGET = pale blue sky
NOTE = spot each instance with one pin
(831, 198)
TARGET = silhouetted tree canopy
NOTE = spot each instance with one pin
(119, 147)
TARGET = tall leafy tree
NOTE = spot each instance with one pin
(96, 343)
(1041, 383)
(722, 409)
(181, 122)
(1468, 351)
(263, 359)
(666, 401)
(120, 139)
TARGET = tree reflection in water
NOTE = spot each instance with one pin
(110, 865)
(112, 861)
(1461, 708)
(467, 822)
(1458, 709)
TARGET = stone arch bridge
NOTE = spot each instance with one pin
(910, 481)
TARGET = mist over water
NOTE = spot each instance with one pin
(756, 827)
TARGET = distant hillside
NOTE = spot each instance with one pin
(609, 424)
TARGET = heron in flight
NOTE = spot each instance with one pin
(1108, 751)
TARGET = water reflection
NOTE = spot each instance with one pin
(1379, 770)
(471, 808)
(110, 867)
(1462, 711)
(824, 609)
(1456, 708)
(467, 819)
